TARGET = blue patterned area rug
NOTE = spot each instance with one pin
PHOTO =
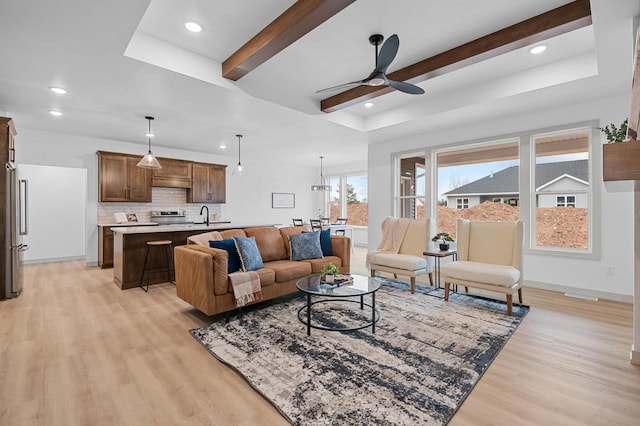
(419, 366)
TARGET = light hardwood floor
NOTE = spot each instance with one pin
(76, 350)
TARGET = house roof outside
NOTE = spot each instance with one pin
(506, 181)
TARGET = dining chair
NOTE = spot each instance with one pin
(325, 221)
(297, 222)
(340, 221)
(316, 224)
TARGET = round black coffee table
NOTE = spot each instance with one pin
(358, 286)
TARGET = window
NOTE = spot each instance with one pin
(478, 182)
(561, 180)
(353, 205)
(413, 187)
(565, 201)
(462, 203)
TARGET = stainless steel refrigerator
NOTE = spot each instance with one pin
(16, 225)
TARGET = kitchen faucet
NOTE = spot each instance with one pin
(206, 218)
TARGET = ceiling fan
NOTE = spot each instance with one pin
(378, 76)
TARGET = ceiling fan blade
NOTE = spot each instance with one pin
(406, 87)
(340, 86)
(387, 53)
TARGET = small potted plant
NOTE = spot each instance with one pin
(615, 133)
(328, 272)
(444, 239)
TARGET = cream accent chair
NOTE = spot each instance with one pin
(409, 260)
(489, 257)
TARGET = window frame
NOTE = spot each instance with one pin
(342, 179)
(526, 156)
(398, 199)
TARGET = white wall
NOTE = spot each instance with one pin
(248, 196)
(56, 199)
(613, 218)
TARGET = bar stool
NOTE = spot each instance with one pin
(168, 244)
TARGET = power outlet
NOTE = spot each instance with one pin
(611, 271)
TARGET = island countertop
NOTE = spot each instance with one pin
(214, 226)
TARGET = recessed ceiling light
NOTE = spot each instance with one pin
(58, 90)
(538, 49)
(149, 134)
(54, 112)
(194, 27)
(368, 104)
(223, 145)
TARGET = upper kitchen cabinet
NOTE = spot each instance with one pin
(121, 180)
(209, 184)
(173, 174)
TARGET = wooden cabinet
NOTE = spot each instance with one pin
(209, 184)
(105, 247)
(7, 155)
(173, 174)
(121, 180)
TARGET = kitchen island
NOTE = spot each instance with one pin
(130, 248)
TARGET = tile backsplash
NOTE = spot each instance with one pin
(163, 199)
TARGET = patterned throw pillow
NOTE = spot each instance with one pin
(305, 246)
(230, 246)
(249, 254)
(325, 242)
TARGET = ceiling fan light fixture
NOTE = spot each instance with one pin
(377, 81)
(149, 161)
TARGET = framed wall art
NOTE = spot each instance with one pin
(283, 200)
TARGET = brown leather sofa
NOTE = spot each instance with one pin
(201, 271)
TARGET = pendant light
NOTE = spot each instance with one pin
(322, 186)
(149, 161)
(239, 169)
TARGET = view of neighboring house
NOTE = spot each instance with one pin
(559, 184)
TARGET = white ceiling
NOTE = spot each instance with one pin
(122, 60)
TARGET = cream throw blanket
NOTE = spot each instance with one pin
(393, 230)
(246, 287)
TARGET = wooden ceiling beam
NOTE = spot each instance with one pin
(563, 19)
(298, 20)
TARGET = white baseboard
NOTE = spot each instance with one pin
(52, 259)
(581, 292)
(634, 356)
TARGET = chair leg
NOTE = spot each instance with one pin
(395, 276)
(520, 295)
(431, 279)
(373, 273)
(413, 285)
(466, 289)
(446, 291)
(509, 304)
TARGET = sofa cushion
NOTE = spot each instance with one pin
(500, 275)
(407, 262)
(317, 264)
(325, 242)
(250, 258)
(288, 231)
(267, 278)
(305, 246)
(230, 233)
(287, 270)
(269, 242)
(233, 264)
(203, 239)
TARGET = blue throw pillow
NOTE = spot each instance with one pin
(325, 242)
(230, 246)
(305, 246)
(249, 254)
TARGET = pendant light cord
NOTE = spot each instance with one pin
(239, 139)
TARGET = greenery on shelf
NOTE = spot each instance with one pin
(330, 269)
(614, 133)
(442, 236)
